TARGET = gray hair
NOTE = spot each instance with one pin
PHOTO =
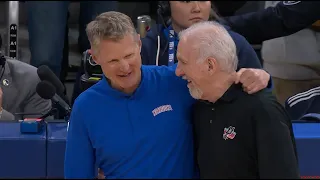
(110, 25)
(213, 40)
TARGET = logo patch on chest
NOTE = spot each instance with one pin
(229, 133)
(161, 109)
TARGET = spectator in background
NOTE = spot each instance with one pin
(283, 19)
(18, 90)
(183, 14)
(47, 21)
(293, 61)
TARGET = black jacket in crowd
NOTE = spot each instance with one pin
(286, 18)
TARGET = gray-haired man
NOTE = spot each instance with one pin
(237, 135)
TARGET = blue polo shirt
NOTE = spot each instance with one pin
(144, 135)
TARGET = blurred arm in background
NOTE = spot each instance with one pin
(286, 18)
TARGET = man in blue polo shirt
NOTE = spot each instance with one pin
(136, 121)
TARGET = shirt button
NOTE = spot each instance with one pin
(212, 109)
(210, 121)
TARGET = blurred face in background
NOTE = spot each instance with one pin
(186, 13)
(120, 62)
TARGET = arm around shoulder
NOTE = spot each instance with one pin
(275, 142)
(79, 155)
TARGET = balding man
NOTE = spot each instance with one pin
(237, 135)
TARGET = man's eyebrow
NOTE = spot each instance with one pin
(180, 58)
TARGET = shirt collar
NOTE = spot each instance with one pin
(233, 92)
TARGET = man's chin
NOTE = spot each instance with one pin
(195, 93)
(194, 97)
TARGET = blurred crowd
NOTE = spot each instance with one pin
(292, 61)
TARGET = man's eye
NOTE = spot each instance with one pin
(128, 56)
(113, 61)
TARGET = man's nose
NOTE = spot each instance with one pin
(179, 72)
(124, 66)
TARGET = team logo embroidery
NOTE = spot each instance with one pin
(161, 109)
(288, 3)
(229, 133)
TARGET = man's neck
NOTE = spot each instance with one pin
(130, 90)
(221, 88)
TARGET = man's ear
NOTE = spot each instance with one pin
(93, 56)
(211, 65)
